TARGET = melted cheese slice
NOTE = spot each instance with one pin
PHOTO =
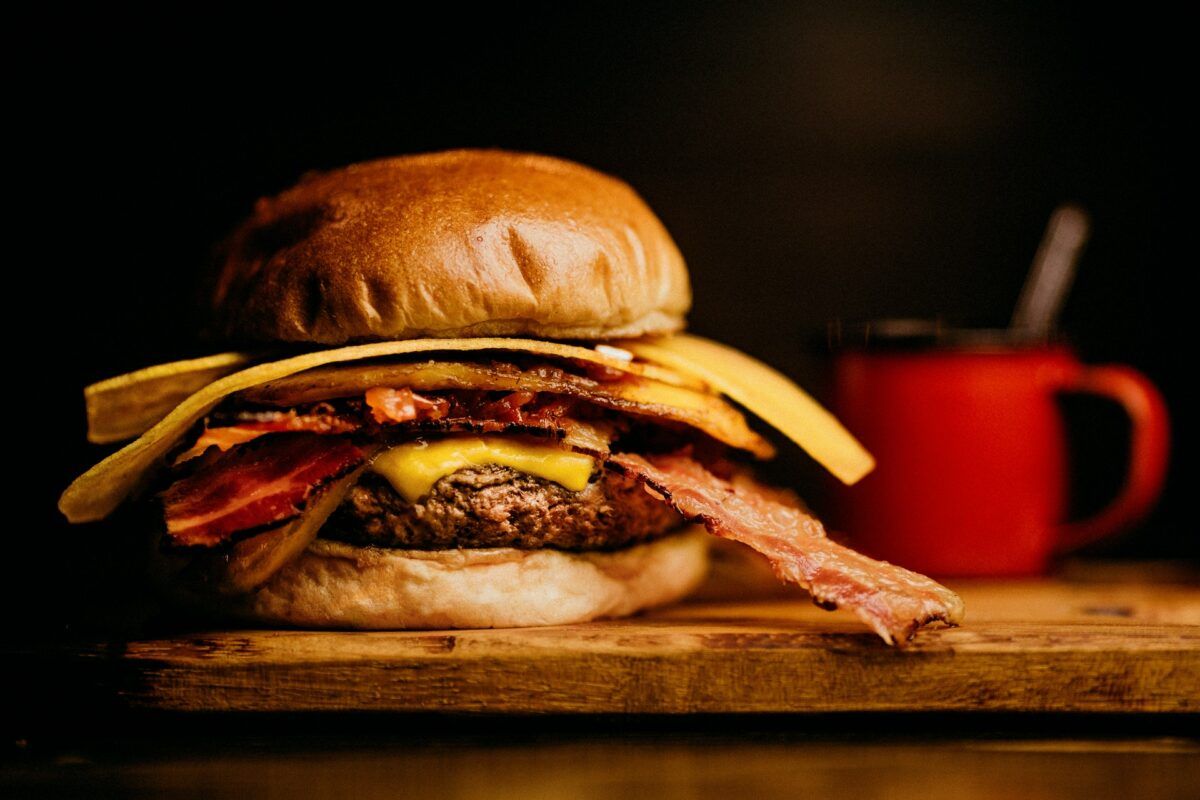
(412, 469)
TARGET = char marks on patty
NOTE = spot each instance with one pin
(495, 506)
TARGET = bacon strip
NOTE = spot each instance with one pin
(385, 406)
(258, 424)
(890, 599)
(254, 485)
(403, 405)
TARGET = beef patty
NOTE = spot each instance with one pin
(495, 506)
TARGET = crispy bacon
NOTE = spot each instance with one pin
(253, 425)
(388, 407)
(479, 412)
(525, 412)
(403, 405)
(255, 485)
(592, 438)
(890, 599)
(509, 408)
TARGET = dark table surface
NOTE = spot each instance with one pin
(857, 755)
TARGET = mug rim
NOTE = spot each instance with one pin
(921, 334)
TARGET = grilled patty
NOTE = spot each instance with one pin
(496, 506)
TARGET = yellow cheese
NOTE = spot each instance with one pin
(412, 469)
(767, 393)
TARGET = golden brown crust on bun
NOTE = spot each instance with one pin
(335, 585)
(457, 243)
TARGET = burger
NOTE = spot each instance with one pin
(461, 397)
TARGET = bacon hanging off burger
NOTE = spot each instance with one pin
(893, 601)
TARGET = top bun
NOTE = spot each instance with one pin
(458, 243)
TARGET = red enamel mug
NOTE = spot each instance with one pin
(972, 462)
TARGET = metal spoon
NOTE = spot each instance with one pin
(1052, 272)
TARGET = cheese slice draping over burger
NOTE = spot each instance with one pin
(487, 416)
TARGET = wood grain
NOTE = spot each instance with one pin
(1027, 646)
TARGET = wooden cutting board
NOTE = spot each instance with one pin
(1045, 645)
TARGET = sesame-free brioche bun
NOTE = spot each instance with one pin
(451, 244)
(336, 585)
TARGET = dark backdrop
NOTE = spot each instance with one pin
(813, 161)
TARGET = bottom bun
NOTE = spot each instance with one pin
(335, 585)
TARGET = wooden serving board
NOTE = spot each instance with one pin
(1026, 646)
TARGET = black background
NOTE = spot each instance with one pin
(813, 161)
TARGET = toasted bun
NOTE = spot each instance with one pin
(334, 585)
(451, 244)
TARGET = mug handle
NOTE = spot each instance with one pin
(1148, 450)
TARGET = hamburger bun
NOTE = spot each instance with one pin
(335, 585)
(451, 244)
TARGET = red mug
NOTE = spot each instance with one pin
(971, 476)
